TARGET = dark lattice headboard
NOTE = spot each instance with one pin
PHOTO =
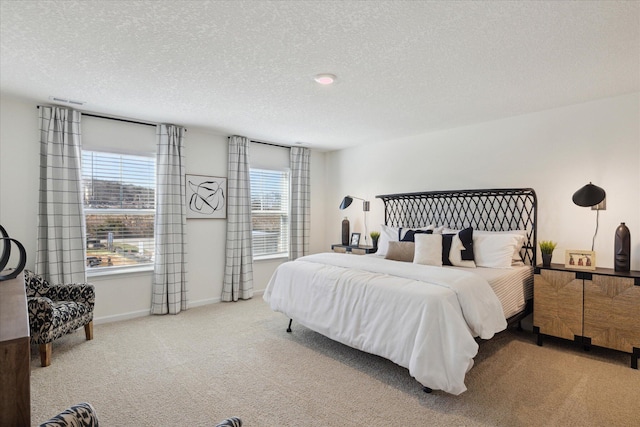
(490, 210)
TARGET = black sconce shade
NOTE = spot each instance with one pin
(589, 195)
(346, 202)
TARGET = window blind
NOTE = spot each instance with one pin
(119, 204)
(270, 212)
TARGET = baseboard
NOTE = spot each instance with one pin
(143, 313)
(208, 301)
(120, 317)
(202, 302)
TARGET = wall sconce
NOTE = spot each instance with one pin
(346, 202)
(590, 196)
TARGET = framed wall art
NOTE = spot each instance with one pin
(580, 260)
(206, 196)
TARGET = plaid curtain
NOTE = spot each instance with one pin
(170, 267)
(238, 272)
(300, 202)
(61, 250)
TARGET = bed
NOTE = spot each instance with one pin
(422, 313)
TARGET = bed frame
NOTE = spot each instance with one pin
(489, 210)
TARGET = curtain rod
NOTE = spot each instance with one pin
(267, 143)
(118, 119)
(270, 143)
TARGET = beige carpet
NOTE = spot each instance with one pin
(226, 359)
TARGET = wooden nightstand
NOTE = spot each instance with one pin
(357, 250)
(598, 307)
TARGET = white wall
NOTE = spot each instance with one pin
(555, 152)
(128, 295)
(19, 172)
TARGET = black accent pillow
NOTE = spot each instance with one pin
(466, 237)
(446, 248)
(410, 235)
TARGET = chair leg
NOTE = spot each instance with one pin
(45, 354)
(88, 330)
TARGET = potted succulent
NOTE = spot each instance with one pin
(547, 247)
(375, 235)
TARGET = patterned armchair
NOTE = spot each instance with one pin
(56, 310)
(80, 415)
(230, 422)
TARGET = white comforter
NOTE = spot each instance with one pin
(421, 317)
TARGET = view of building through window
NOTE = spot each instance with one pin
(119, 208)
(270, 212)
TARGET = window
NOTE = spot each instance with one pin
(119, 208)
(270, 213)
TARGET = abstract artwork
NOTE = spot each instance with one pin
(206, 196)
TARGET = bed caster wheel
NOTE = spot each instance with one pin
(426, 389)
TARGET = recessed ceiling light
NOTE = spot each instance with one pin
(325, 79)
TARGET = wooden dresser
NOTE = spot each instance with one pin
(15, 392)
(598, 307)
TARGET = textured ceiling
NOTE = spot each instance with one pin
(246, 67)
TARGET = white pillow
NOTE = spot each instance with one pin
(521, 236)
(387, 234)
(439, 229)
(455, 253)
(428, 249)
(495, 250)
(392, 234)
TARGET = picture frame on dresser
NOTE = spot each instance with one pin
(355, 240)
(578, 259)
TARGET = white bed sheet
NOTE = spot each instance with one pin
(421, 317)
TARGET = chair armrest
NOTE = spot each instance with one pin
(40, 315)
(77, 292)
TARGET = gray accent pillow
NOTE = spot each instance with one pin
(401, 251)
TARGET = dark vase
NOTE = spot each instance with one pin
(375, 244)
(345, 231)
(546, 260)
(5, 256)
(622, 249)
